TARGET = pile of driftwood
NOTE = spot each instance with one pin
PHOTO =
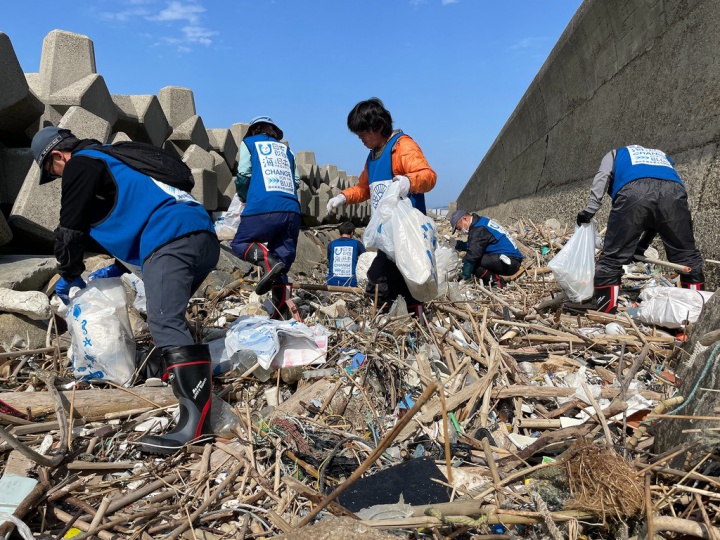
(539, 419)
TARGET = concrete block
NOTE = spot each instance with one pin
(342, 180)
(310, 218)
(32, 304)
(305, 158)
(5, 231)
(36, 212)
(86, 125)
(316, 179)
(14, 166)
(323, 197)
(305, 172)
(192, 131)
(26, 272)
(238, 132)
(142, 118)
(178, 104)
(223, 142)
(304, 197)
(198, 158)
(66, 58)
(225, 180)
(120, 136)
(205, 190)
(19, 107)
(173, 148)
(34, 82)
(50, 117)
(329, 174)
(90, 93)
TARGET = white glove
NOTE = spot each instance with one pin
(335, 202)
(404, 183)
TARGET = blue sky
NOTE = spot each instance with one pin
(450, 71)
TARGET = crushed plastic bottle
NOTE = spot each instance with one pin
(222, 418)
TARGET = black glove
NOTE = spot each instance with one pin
(461, 245)
(584, 217)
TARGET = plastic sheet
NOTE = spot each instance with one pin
(277, 344)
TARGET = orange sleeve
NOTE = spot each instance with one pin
(359, 192)
(408, 160)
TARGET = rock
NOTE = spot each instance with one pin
(32, 304)
(26, 273)
(20, 332)
(230, 263)
(311, 254)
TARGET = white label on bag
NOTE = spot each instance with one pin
(648, 156)
(499, 228)
(342, 261)
(178, 194)
(275, 167)
(377, 191)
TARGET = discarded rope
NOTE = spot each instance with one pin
(456, 520)
(545, 513)
(708, 363)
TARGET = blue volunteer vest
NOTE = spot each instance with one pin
(633, 162)
(147, 214)
(504, 245)
(380, 175)
(344, 253)
(272, 184)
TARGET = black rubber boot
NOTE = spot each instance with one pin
(606, 298)
(685, 284)
(281, 293)
(258, 254)
(190, 375)
(417, 311)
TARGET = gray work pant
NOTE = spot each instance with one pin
(171, 275)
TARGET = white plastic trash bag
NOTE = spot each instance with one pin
(138, 285)
(671, 307)
(103, 348)
(574, 265)
(227, 224)
(448, 263)
(364, 262)
(409, 238)
(277, 344)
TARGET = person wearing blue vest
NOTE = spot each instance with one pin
(490, 252)
(393, 157)
(144, 222)
(267, 183)
(343, 256)
(648, 197)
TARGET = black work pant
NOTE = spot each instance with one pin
(648, 204)
(390, 283)
(490, 264)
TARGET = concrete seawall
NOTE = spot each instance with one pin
(623, 72)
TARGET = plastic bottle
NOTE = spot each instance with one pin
(319, 373)
(291, 375)
(222, 418)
